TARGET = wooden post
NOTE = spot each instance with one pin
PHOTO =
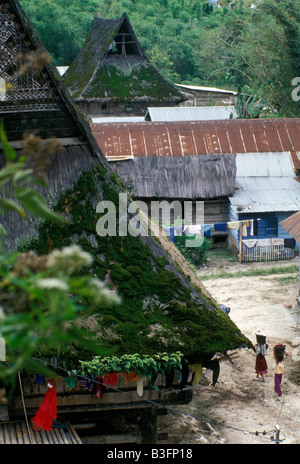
(149, 426)
(240, 254)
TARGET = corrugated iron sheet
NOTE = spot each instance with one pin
(292, 225)
(265, 183)
(190, 113)
(198, 137)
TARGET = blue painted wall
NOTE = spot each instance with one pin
(268, 226)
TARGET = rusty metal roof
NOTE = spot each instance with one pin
(123, 140)
(292, 225)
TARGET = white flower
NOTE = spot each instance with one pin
(103, 294)
(97, 283)
(52, 284)
(69, 259)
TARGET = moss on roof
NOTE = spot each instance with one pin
(98, 75)
(161, 309)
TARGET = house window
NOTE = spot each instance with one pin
(271, 227)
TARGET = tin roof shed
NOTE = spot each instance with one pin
(265, 183)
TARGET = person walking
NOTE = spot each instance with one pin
(260, 349)
(279, 353)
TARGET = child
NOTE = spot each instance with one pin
(279, 368)
(261, 367)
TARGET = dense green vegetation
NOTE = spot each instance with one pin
(252, 50)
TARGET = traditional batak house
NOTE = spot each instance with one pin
(112, 75)
(166, 318)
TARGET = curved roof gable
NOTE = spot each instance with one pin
(113, 66)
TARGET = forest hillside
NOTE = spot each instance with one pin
(249, 47)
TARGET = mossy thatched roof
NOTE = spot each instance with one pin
(112, 66)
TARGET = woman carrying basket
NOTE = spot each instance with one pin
(260, 348)
(279, 353)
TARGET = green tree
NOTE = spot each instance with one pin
(62, 25)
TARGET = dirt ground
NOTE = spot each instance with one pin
(241, 409)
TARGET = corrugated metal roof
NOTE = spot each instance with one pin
(118, 119)
(265, 183)
(276, 164)
(190, 113)
(197, 137)
(292, 225)
(205, 89)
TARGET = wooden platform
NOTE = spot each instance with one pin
(17, 433)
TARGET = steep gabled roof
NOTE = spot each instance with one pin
(113, 66)
(164, 306)
(36, 93)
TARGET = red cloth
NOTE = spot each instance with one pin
(47, 411)
(261, 366)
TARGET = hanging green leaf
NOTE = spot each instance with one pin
(36, 204)
(9, 152)
(11, 205)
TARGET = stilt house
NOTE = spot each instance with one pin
(164, 309)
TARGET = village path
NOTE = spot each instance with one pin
(240, 409)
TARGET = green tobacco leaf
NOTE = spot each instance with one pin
(36, 204)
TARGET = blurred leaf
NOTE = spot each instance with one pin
(11, 205)
(36, 204)
(9, 152)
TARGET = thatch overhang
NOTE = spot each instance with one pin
(112, 66)
(164, 306)
(185, 178)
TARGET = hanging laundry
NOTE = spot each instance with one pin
(70, 381)
(264, 242)
(110, 380)
(192, 230)
(190, 376)
(206, 229)
(140, 385)
(179, 376)
(184, 373)
(170, 378)
(86, 383)
(152, 380)
(178, 230)
(43, 420)
(213, 365)
(197, 368)
(129, 377)
(244, 228)
(221, 226)
(250, 243)
(251, 227)
(170, 232)
(289, 243)
(233, 225)
(255, 227)
(100, 387)
(277, 241)
(39, 379)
